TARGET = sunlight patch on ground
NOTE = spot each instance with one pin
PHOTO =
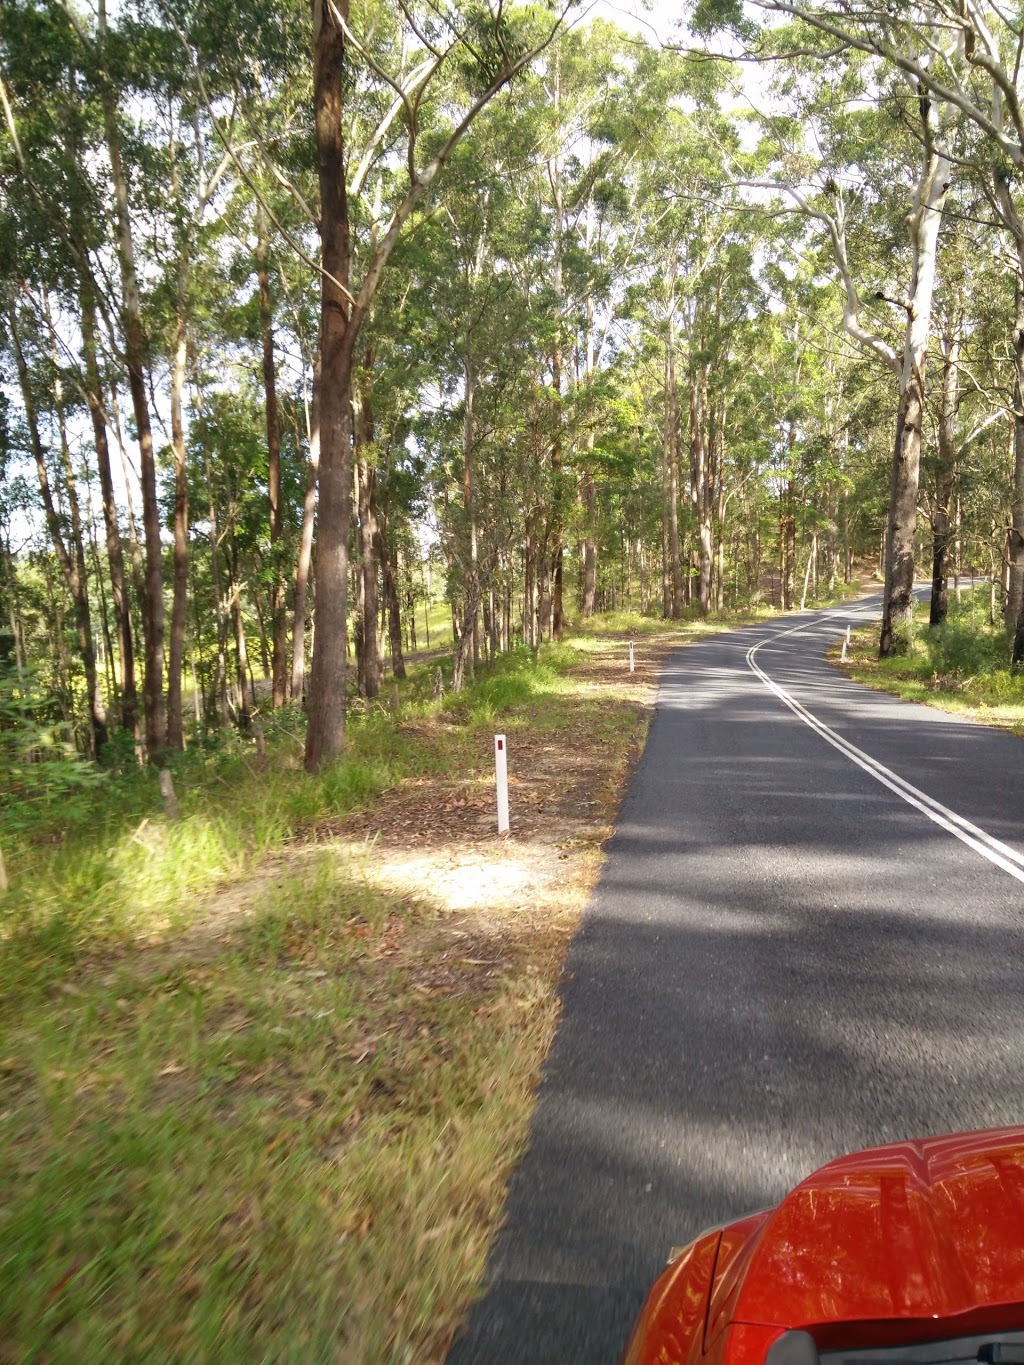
(456, 882)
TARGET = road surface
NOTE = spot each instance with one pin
(808, 938)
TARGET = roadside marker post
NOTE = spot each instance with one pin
(631, 656)
(847, 634)
(501, 781)
(842, 657)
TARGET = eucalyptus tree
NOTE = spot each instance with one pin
(833, 156)
(431, 71)
(965, 57)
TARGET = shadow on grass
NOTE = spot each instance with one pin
(286, 1142)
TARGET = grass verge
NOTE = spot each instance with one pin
(962, 666)
(264, 1072)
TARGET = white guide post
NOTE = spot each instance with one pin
(501, 780)
(842, 657)
(847, 634)
(631, 656)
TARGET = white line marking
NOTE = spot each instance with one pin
(1004, 857)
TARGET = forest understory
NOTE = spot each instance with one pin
(266, 1107)
(963, 666)
(349, 355)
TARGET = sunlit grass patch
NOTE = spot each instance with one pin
(962, 666)
(264, 1070)
(276, 1150)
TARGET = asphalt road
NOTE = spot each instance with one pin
(786, 959)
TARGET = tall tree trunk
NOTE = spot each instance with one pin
(367, 507)
(325, 734)
(468, 500)
(305, 554)
(80, 594)
(134, 353)
(589, 485)
(279, 620)
(221, 678)
(557, 530)
(389, 568)
(72, 562)
(529, 587)
(701, 483)
(590, 538)
(115, 556)
(666, 504)
(944, 476)
(1014, 606)
(672, 419)
(925, 222)
(176, 653)
(241, 650)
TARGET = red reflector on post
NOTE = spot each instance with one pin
(501, 744)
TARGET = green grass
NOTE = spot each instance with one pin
(233, 1123)
(277, 1151)
(962, 666)
(240, 1120)
(108, 866)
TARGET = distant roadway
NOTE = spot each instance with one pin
(808, 938)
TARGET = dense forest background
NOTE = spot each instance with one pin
(327, 338)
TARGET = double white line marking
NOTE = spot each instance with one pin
(1004, 857)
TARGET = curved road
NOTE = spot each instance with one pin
(808, 938)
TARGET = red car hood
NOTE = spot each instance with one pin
(916, 1230)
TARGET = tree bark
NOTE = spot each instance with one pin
(305, 554)
(176, 653)
(135, 353)
(1014, 607)
(944, 476)
(367, 507)
(590, 539)
(325, 734)
(72, 564)
(468, 502)
(666, 484)
(115, 556)
(925, 222)
(700, 480)
(389, 569)
(241, 650)
(279, 620)
(672, 439)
